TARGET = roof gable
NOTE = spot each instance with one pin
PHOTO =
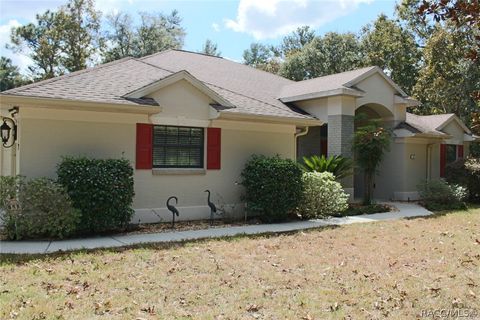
(368, 73)
(176, 77)
(336, 84)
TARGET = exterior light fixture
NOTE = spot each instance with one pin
(8, 130)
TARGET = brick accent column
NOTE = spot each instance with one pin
(340, 135)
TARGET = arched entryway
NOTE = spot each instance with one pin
(363, 114)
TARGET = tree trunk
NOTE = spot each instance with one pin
(368, 184)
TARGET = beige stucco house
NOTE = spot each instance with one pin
(188, 122)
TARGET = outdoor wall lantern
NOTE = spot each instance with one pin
(8, 130)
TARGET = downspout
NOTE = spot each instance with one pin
(429, 161)
(299, 134)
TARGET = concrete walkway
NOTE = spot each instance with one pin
(405, 210)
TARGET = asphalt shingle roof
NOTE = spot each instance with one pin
(249, 90)
(325, 83)
(427, 124)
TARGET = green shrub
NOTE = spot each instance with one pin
(273, 187)
(466, 172)
(41, 208)
(359, 209)
(9, 186)
(439, 195)
(322, 196)
(101, 188)
(339, 166)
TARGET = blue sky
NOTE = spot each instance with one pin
(233, 25)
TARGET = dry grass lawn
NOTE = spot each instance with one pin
(364, 271)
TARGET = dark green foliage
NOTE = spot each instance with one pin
(370, 143)
(10, 76)
(357, 209)
(273, 187)
(101, 188)
(466, 172)
(439, 195)
(339, 166)
(36, 208)
(155, 32)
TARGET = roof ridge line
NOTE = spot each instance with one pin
(225, 59)
(155, 54)
(67, 75)
(155, 66)
(241, 94)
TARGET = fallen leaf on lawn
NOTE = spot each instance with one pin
(334, 307)
(149, 310)
(253, 308)
(472, 294)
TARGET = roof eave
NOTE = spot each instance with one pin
(271, 119)
(410, 102)
(323, 94)
(56, 103)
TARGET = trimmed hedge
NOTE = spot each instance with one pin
(273, 187)
(101, 188)
(36, 208)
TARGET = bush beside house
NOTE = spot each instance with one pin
(339, 166)
(273, 187)
(466, 172)
(440, 195)
(102, 189)
(322, 196)
(36, 208)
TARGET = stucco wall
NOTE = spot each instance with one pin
(44, 141)
(403, 168)
(455, 131)
(378, 91)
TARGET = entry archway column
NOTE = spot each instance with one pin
(341, 122)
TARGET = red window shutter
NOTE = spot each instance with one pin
(144, 146)
(443, 159)
(460, 152)
(214, 143)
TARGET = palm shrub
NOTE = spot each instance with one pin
(102, 189)
(322, 196)
(273, 187)
(339, 166)
(370, 143)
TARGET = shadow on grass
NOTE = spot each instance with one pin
(441, 213)
(19, 259)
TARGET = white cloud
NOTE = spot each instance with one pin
(112, 6)
(273, 18)
(216, 27)
(18, 59)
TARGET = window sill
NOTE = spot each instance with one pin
(180, 171)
